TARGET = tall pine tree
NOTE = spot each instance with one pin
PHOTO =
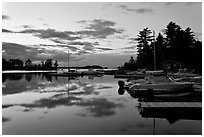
(145, 56)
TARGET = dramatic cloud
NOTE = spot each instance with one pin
(139, 10)
(104, 49)
(55, 48)
(27, 26)
(43, 52)
(99, 29)
(58, 41)
(82, 43)
(12, 50)
(81, 21)
(7, 31)
(94, 29)
(51, 34)
(131, 47)
(82, 52)
(5, 17)
(100, 24)
(72, 48)
(88, 48)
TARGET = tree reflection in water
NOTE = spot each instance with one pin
(171, 114)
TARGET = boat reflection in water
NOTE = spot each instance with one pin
(185, 107)
(172, 107)
(39, 103)
(172, 110)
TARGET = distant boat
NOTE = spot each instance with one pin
(63, 73)
(140, 74)
(66, 72)
(89, 72)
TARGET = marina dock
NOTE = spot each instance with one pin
(170, 104)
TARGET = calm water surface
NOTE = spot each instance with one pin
(36, 103)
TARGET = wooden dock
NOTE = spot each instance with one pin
(172, 111)
(170, 104)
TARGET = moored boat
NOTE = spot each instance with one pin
(152, 88)
(171, 86)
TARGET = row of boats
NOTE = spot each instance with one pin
(160, 95)
(158, 84)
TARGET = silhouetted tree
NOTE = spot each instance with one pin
(56, 64)
(15, 64)
(5, 64)
(145, 55)
(28, 64)
(48, 64)
(178, 45)
(196, 59)
(131, 64)
(160, 47)
(42, 64)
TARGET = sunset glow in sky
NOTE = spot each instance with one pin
(94, 33)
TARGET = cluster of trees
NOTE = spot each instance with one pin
(17, 64)
(178, 45)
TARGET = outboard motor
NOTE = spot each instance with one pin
(121, 84)
(121, 90)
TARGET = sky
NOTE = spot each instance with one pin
(93, 33)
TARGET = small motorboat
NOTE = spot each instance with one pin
(150, 88)
(171, 86)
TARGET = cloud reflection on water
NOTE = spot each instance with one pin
(99, 107)
(74, 93)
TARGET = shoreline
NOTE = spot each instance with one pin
(26, 71)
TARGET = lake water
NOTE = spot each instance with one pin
(35, 103)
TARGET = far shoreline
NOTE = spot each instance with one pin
(26, 71)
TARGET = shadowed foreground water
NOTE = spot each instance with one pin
(36, 103)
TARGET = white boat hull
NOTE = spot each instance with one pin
(160, 87)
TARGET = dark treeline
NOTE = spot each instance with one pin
(87, 67)
(17, 64)
(178, 46)
(94, 67)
